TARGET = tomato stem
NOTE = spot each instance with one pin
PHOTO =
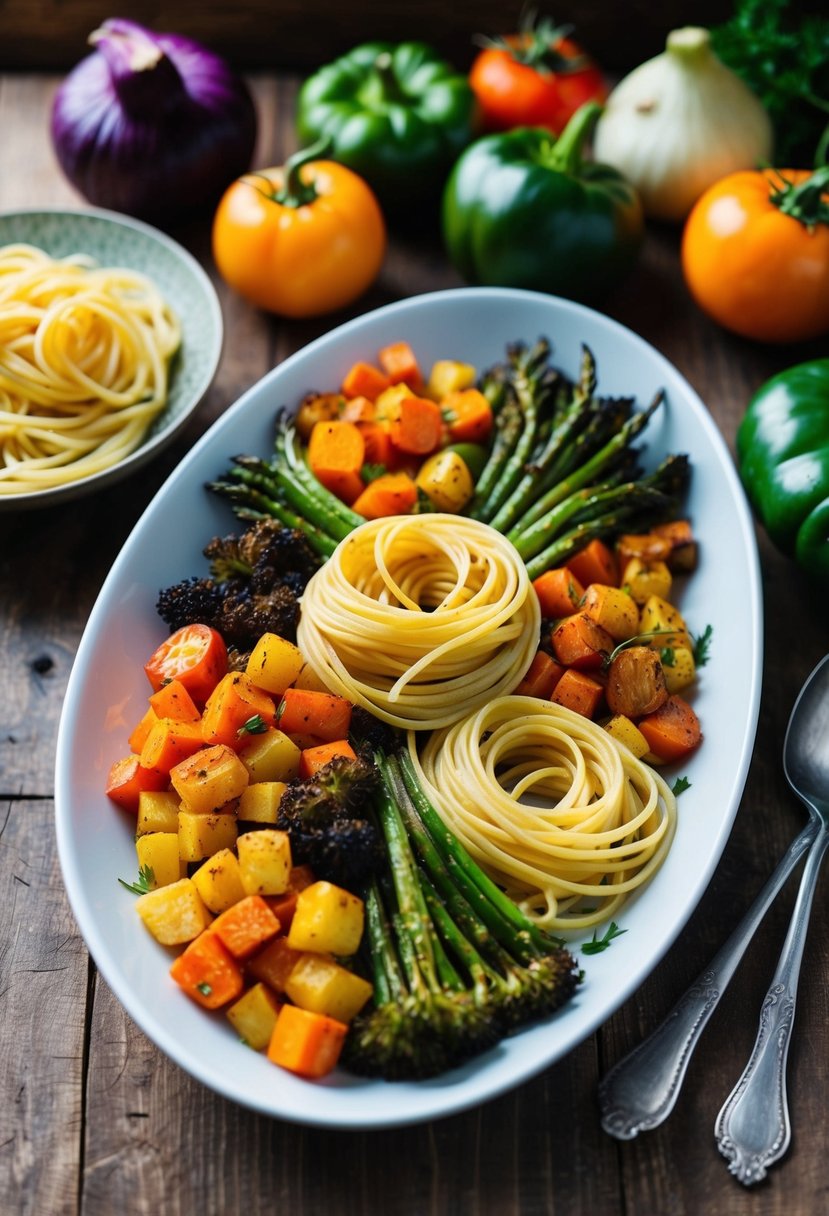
(538, 45)
(296, 192)
(805, 201)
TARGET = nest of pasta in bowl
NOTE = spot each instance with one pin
(112, 335)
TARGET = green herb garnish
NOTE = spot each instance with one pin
(702, 645)
(680, 786)
(146, 880)
(597, 945)
(254, 726)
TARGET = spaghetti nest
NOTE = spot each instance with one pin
(565, 819)
(420, 619)
(84, 364)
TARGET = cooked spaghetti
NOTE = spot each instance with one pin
(84, 364)
(565, 819)
(421, 619)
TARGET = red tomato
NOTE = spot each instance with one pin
(536, 78)
(195, 655)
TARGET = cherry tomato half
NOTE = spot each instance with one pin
(195, 655)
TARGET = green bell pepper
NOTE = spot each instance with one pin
(783, 458)
(522, 209)
(398, 115)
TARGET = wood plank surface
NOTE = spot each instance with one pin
(95, 1121)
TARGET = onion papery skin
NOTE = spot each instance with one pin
(160, 142)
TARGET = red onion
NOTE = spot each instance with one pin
(154, 125)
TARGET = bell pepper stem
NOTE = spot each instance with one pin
(296, 192)
(566, 153)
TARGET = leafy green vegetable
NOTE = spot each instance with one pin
(680, 786)
(146, 878)
(702, 645)
(784, 59)
(597, 945)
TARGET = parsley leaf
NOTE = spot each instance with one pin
(702, 645)
(667, 656)
(680, 786)
(146, 878)
(597, 945)
(204, 988)
(370, 472)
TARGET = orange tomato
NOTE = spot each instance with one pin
(755, 254)
(300, 240)
(195, 655)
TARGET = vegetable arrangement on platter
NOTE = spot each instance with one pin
(313, 804)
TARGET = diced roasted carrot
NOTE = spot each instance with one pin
(170, 742)
(303, 711)
(306, 1043)
(379, 449)
(416, 425)
(246, 926)
(595, 563)
(559, 592)
(315, 758)
(673, 730)
(138, 736)
(358, 409)
(336, 454)
(542, 676)
(580, 642)
(207, 971)
(683, 552)
(275, 961)
(127, 778)
(234, 701)
(364, 380)
(400, 364)
(468, 416)
(389, 494)
(578, 692)
(174, 701)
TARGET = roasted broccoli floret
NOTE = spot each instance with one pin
(330, 821)
(192, 600)
(369, 735)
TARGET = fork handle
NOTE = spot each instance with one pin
(753, 1129)
(640, 1091)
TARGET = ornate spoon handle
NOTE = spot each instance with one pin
(640, 1090)
(753, 1129)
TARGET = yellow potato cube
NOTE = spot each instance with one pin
(274, 664)
(612, 609)
(157, 811)
(174, 914)
(208, 779)
(627, 732)
(322, 986)
(271, 756)
(265, 861)
(386, 403)
(679, 668)
(665, 622)
(309, 679)
(644, 579)
(327, 920)
(159, 852)
(260, 802)
(201, 836)
(253, 1016)
(449, 376)
(219, 881)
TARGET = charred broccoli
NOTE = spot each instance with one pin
(368, 735)
(255, 583)
(330, 821)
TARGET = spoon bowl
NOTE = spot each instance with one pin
(806, 745)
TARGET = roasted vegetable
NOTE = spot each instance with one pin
(783, 454)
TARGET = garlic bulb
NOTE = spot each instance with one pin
(680, 122)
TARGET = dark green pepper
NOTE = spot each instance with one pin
(396, 114)
(783, 457)
(523, 209)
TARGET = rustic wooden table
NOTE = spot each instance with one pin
(93, 1119)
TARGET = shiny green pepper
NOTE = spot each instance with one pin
(523, 209)
(398, 115)
(783, 457)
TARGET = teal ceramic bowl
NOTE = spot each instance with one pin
(117, 240)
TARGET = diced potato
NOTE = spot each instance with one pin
(387, 402)
(627, 732)
(679, 667)
(328, 920)
(201, 836)
(271, 756)
(259, 803)
(253, 1016)
(274, 664)
(613, 609)
(446, 481)
(449, 376)
(644, 579)
(666, 622)
(210, 778)
(265, 861)
(174, 914)
(157, 811)
(219, 881)
(274, 963)
(309, 679)
(159, 851)
(323, 986)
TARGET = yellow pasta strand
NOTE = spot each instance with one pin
(420, 619)
(565, 819)
(84, 360)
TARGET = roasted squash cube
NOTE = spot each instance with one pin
(158, 852)
(679, 667)
(219, 881)
(612, 609)
(274, 963)
(173, 914)
(208, 972)
(665, 622)
(209, 779)
(323, 986)
(246, 926)
(259, 803)
(201, 836)
(265, 861)
(253, 1016)
(271, 756)
(157, 811)
(274, 663)
(623, 730)
(646, 578)
(306, 1043)
(327, 920)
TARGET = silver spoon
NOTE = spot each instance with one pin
(753, 1129)
(641, 1090)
